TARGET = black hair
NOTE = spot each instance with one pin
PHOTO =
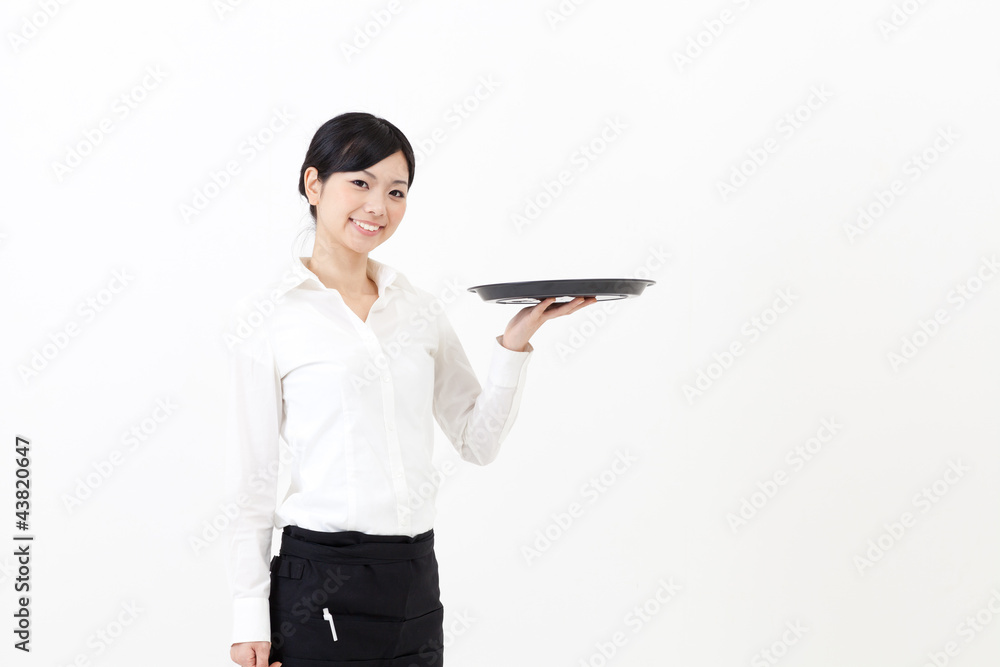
(351, 142)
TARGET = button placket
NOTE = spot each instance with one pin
(392, 440)
(394, 451)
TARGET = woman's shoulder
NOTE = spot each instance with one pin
(242, 305)
(449, 291)
(247, 320)
(265, 297)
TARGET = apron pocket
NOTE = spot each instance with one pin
(340, 637)
(422, 639)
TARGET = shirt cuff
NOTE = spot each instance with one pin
(507, 365)
(251, 620)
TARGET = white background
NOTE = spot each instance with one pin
(600, 383)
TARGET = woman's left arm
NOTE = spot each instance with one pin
(476, 419)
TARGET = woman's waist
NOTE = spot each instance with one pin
(353, 546)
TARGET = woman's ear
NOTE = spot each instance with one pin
(313, 186)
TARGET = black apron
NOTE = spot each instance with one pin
(350, 599)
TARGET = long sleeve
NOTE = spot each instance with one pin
(254, 419)
(476, 419)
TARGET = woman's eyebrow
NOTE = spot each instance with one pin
(375, 178)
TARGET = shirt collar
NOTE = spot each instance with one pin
(385, 276)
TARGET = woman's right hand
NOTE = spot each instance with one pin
(252, 654)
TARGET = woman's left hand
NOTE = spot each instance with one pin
(527, 320)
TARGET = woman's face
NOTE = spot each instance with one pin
(375, 196)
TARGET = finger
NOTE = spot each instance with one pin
(551, 307)
(556, 311)
(548, 306)
(537, 308)
(572, 306)
(267, 654)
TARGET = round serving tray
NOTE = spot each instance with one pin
(534, 291)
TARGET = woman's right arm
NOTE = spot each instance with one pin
(252, 430)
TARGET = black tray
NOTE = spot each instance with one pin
(534, 291)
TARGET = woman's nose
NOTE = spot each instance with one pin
(374, 206)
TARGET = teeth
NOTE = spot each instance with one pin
(362, 225)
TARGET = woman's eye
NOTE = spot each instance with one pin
(398, 193)
(357, 181)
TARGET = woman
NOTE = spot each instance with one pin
(348, 361)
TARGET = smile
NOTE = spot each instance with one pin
(365, 227)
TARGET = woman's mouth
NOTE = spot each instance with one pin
(366, 228)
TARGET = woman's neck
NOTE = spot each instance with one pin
(346, 273)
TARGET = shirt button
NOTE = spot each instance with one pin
(385, 378)
(390, 428)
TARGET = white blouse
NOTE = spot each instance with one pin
(353, 401)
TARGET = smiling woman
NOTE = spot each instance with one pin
(350, 367)
(356, 175)
(337, 147)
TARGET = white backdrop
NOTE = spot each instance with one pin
(784, 452)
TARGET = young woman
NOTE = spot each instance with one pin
(348, 361)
